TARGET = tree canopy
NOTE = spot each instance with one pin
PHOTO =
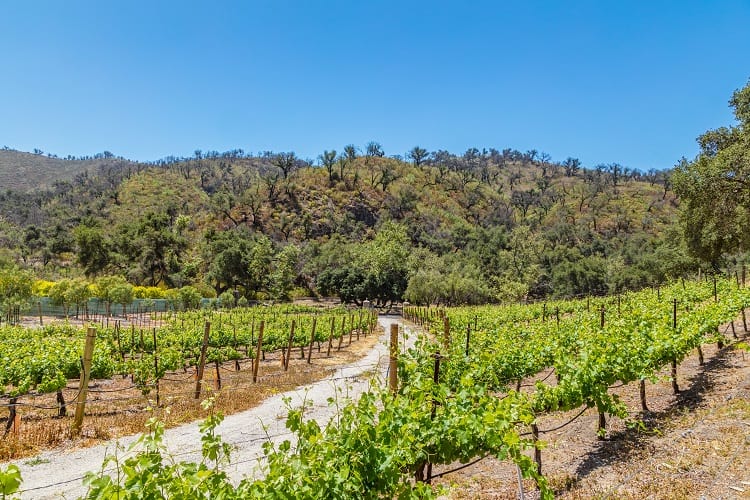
(715, 188)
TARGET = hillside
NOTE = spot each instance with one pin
(20, 171)
(483, 225)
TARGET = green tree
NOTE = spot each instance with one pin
(122, 293)
(418, 155)
(229, 254)
(103, 288)
(59, 296)
(519, 264)
(15, 288)
(78, 294)
(715, 188)
(93, 253)
(260, 265)
(328, 160)
(152, 248)
(226, 299)
(378, 270)
(190, 297)
(285, 272)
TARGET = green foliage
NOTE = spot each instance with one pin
(205, 290)
(105, 286)
(148, 292)
(153, 246)
(227, 220)
(44, 359)
(93, 253)
(446, 280)
(10, 480)
(151, 473)
(714, 188)
(226, 299)
(284, 272)
(378, 270)
(376, 445)
(121, 293)
(15, 288)
(58, 294)
(75, 292)
(190, 297)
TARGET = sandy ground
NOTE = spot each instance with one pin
(58, 473)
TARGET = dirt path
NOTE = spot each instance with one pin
(58, 473)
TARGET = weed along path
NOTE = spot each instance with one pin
(59, 473)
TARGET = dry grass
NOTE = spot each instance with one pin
(115, 408)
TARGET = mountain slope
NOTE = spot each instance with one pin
(20, 171)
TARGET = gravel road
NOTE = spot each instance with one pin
(58, 473)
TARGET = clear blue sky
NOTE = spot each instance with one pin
(627, 82)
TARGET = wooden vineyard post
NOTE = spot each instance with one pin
(744, 319)
(88, 355)
(343, 328)
(285, 361)
(202, 360)
(156, 370)
(62, 408)
(446, 332)
(312, 341)
(642, 393)
(41, 318)
(716, 295)
(701, 361)
(119, 344)
(301, 344)
(393, 362)
(252, 331)
(557, 316)
(435, 379)
(537, 449)
(234, 345)
(601, 426)
(351, 328)
(218, 374)
(359, 327)
(330, 337)
(13, 419)
(468, 338)
(256, 363)
(675, 387)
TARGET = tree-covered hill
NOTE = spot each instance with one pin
(436, 226)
